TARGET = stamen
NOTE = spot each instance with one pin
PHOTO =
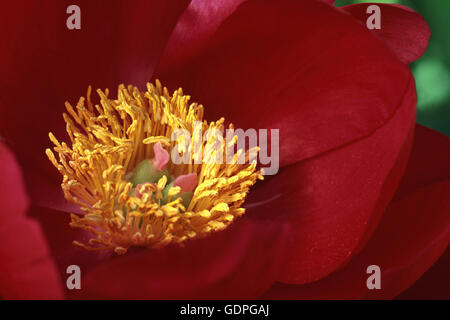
(117, 169)
(141, 188)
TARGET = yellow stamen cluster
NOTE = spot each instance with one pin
(109, 139)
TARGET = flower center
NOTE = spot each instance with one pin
(120, 169)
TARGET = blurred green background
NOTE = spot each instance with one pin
(432, 71)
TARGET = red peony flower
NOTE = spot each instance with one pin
(360, 183)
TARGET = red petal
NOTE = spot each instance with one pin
(403, 31)
(60, 237)
(429, 162)
(196, 26)
(434, 284)
(26, 270)
(45, 189)
(239, 262)
(294, 66)
(414, 232)
(330, 199)
(44, 64)
(198, 23)
(14, 199)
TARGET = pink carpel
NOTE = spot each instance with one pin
(161, 157)
(187, 182)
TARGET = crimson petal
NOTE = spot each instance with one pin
(60, 237)
(26, 269)
(299, 71)
(434, 284)
(44, 63)
(330, 199)
(198, 23)
(240, 262)
(413, 233)
(403, 31)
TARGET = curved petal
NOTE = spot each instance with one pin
(12, 189)
(26, 269)
(294, 66)
(45, 64)
(413, 233)
(60, 237)
(429, 161)
(196, 26)
(330, 199)
(239, 262)
(434, 284)
(45, 189)
(403, 31)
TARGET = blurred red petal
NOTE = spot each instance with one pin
(298, 70)
(240, 262)
(330, 199)
(45, 190)
(60, 237)
(26, 269)
(434, 284)
(413, 233)
(196, 26)
(13, 196)
(403, 31)
(429, 161)
(44, 63)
